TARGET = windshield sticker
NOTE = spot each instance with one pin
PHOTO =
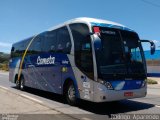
(86, 94)
(126, 49)
(86, 84)
(108, 32)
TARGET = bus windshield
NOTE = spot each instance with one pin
(120, 56)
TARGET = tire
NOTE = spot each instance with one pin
(21, 85)
(17, 84)
(70, 94)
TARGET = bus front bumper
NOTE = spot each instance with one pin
(105, 95)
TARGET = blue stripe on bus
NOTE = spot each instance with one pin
(111, 26)
(126, 84)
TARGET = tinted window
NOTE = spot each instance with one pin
(83, 49)
(50, 41)
(36, 46)
(119, 56)
(64, 42)
(19, 48)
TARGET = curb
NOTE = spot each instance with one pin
(21, 95)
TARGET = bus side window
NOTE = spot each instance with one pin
(36, 46)
(50, 41)
(18, 49)
(64, 41)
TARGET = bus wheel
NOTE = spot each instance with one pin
(70, 94)
(21, 86)
(18, 84)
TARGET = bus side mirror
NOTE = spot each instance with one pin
(12, 49)
(152, 48)
(97, 42)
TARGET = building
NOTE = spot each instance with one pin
(153, 63)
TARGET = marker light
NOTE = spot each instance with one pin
(143, 84)
(96, 29)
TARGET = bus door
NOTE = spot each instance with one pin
(83, 57)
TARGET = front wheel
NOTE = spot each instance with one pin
(70, 94)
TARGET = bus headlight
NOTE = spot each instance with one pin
(107, 84)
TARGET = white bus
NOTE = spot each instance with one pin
(84, 58)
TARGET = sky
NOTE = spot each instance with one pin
(20, 19)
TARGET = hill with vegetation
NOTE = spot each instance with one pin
(4, 60)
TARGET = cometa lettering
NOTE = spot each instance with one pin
(45, 61)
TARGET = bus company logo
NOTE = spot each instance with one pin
(108, 32)
(65, 62)
(45, 61)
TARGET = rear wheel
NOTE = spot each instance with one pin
(17, 83)
(22, 83)
(70, 94)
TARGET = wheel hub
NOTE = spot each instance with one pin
(71, 93)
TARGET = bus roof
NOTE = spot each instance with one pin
(87, 20)
(90, 20)
(93, 22)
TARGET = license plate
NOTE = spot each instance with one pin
(128, 94)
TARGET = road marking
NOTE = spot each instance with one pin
(86, 118)
(4, 74)
(4, 88)
(31, 98)
(157, 106)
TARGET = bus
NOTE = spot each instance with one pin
(84, 58)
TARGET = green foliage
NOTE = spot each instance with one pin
(150, 81)
(4, 67)
(4, 57)
(4, 60)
